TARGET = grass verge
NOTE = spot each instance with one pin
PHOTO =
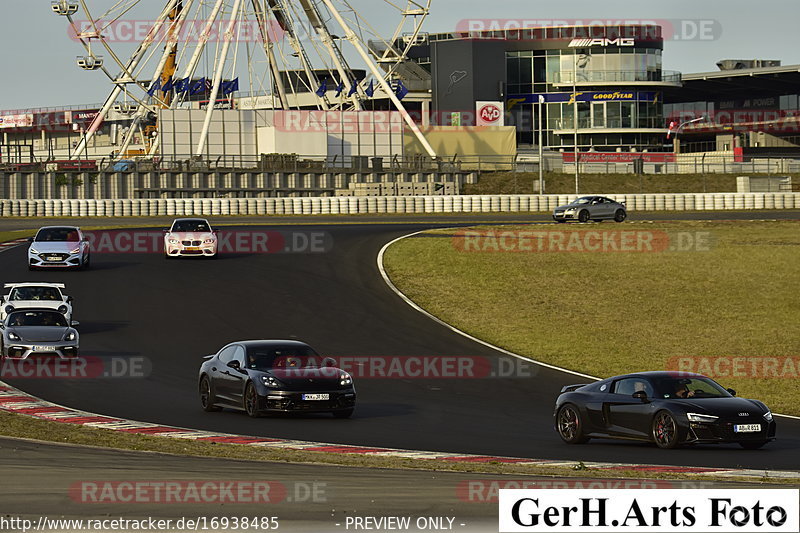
(609, 313)
(558, 183)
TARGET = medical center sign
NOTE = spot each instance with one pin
(490, 114)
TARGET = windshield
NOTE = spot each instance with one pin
(269, 357)
(682, 388)
(37, 318)
(35, 293)
(57, 235)
(581, 201)
(190, 226)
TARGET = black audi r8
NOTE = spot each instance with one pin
(275, 376)
(668, 408)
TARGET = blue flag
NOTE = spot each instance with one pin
(340, 89)
(182, 85)
(322, 88)
(229, 87)
(353, 89)
(168, 86)
(401, 90)
(371, 89)
(198, 87)
(155, 87)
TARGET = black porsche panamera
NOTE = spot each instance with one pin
(668, 408)
(280, 376)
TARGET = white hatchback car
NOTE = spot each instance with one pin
(37, 295)
(190, 237)
(59, 247)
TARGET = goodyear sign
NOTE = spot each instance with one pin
(585, 96)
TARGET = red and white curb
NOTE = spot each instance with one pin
(13, 400)
(10, 244)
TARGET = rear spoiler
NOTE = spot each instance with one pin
(570, 388)
(12, 285)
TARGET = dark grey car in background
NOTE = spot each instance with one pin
(588, 208)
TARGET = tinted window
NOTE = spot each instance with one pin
(35, 293)
(226, 354)
(266, 357)
(238, 355)
(37, 318)
(628, 386)
(190, 226)
(677, 388)
(58, 235)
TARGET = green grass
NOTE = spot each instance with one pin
(608, 313)
(558, 183)
(6, 236)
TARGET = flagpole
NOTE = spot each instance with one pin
(541, 168)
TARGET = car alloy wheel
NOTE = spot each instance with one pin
(570, 426)
(206, 396)
(665, 430)
(251, 401)
(620, 215)
(583, 216)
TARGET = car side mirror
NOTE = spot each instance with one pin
(74, 323)
(328, 362)
(640, 394)
(69, 299)
(731, 392)
(165, 230)
(30, 239)
(234, 365)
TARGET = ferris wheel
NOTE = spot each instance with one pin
(285, 49)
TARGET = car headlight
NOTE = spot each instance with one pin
(209, 241)
(345, 379)
(569, 211)
(271, 381)
(768, 416)
(75, 250)
(63, 309)
(71, 336)
(13, 336)
(173, 241)
(34, 251)
(696, 417)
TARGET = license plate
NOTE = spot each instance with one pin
(747, 428)
(42, 348)
(53, 258)
(316, 397)
(192, 249)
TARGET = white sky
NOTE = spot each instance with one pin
(38, 58)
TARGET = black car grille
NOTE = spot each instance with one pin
(191, 243)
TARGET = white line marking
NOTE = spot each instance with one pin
(407, 300)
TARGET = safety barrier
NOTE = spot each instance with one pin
(349, 205)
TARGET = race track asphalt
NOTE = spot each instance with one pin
(173, 312)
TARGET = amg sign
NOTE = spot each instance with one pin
(585, 43)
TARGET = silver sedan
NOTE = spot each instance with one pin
(588, 208)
